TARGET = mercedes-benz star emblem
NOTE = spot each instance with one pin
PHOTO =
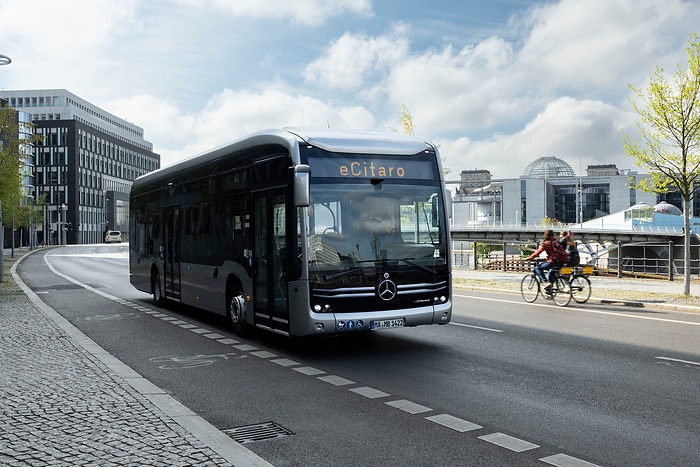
(386, 290)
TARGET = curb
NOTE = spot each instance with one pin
(602, 301)
(205, 432)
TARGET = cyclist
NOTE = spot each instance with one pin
(556, 257)
(570, 246)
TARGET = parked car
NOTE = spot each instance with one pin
(113, 236)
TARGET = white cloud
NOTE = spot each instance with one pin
(596, 43)
(230, 115)
(347, 63)
(311, 12)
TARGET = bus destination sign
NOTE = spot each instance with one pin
(359, 167)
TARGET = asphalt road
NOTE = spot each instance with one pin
(507, 383)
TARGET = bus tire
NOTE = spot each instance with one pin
(235, 309)
(156, 290)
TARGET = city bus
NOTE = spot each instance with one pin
(299, 231)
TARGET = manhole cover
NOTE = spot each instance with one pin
(257, 432)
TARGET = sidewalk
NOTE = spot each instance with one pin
(629, 291)
(65, 401)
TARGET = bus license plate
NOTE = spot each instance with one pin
(387, 324)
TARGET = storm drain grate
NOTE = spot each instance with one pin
(258, 432)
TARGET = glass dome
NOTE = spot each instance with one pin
(548, 167)
(667, 208)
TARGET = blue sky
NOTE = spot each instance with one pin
(495, 83)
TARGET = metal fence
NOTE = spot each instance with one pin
(653, 260)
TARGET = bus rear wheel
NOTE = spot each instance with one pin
(236, 313)
(156, 290)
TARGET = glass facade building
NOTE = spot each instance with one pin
(83, 166)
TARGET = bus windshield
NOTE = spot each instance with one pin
(355, 226)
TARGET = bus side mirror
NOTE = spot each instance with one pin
(302, 176)
(448, 202)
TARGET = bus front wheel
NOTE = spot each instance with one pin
(236, 313)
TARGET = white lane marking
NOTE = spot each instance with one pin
(562, 460)
(264, 354)
(676, 360)
(408, 406)
(121, 254)
(370, 393)
(245, 347)
(476, 327)
(228, 341)
(285, 362)
(309, 370)
(336, 380)
(508, 442)
(454, 423)
(609, 313)
(214, 335)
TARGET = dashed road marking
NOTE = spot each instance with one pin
(228, 341)
(370, 393)
(454, 423)
(309, 370)
(508, 442)
(408, 406)
(285, 362)
(562, 460)
(245, 347)
(336, 380)
(213, 336)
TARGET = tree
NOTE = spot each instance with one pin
(669, 127)
(409, 128)
(10, 146)
(16, 141)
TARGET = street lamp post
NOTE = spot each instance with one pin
(61, 209)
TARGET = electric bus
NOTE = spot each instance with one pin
(300, 231)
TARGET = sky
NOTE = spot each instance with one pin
(496, 84)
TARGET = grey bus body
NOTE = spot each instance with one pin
(299, 231)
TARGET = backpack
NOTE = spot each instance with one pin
(556, 251)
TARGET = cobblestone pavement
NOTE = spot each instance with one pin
(62, 403)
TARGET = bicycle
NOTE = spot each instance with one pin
(577, 278)
(560, 292)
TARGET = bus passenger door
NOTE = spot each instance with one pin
(171, 260)
(270, 278)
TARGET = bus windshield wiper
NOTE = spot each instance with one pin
(411, 261)
(338, 275)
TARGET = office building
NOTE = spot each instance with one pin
(549, 188)
(84, 166)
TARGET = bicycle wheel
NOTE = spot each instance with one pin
(580, 288)
(561, 292)
(530, 288)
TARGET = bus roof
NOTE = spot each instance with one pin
(332, 140)
(357, 141)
